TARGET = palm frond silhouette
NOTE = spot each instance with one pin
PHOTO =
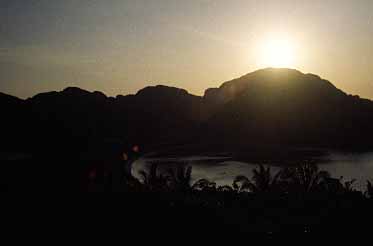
(181, 178)
(262, 181)
(152, 180)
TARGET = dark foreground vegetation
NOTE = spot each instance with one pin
(298, 199)
(71, 140)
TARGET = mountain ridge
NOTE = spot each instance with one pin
(72, 88)
(281, 106)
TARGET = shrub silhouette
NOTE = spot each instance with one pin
(225, 188)
(204, 185)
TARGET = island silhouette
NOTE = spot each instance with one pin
(267, 107)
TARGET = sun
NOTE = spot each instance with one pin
(278, 52)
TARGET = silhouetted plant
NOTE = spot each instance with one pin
(332, 185)
(132, 184)
(181, 179)
(263, 181)
(154, 181)
(369, 191)
(304, 178)
(348, 186)
(337, 186)
(242, 183)
(225, 188)
(204, 185)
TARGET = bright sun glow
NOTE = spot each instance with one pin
(278, 53)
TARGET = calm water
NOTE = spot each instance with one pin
(223, 170)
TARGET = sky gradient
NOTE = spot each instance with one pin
(120, 46)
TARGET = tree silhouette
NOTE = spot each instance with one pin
(304, 178)
(152, 180)
(204, 185)
(263, 181)
(225, 188)
(181, 179)
(369, 192)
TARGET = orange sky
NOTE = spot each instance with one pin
(119, 47)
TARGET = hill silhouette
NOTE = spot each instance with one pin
(269, 106)
(285, 106)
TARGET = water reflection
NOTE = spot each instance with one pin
(223, 170)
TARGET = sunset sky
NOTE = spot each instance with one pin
(121, 46)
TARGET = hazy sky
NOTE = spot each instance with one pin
(120, 46)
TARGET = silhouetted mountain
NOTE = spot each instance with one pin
(285, 106)
(156, 114)
(74, 121)
(272, 80)
(269, 106)
(12, 121)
